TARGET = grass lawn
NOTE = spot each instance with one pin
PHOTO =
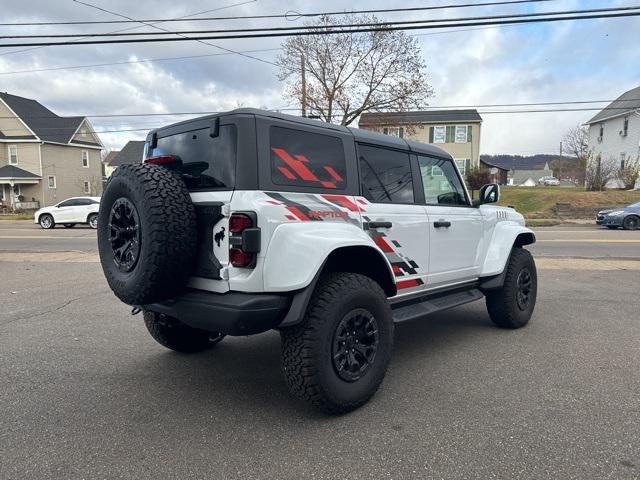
(17, 216)
(538, 202)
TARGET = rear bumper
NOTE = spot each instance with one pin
(232, 313)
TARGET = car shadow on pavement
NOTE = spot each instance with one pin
(241, 376)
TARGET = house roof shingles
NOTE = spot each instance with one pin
(627, 102)
(11, 171)
(48, 126)
(429, 116)
(131, 153)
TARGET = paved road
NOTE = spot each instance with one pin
(578, 241)
(86, 393)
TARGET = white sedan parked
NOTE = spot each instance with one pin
(70, 212)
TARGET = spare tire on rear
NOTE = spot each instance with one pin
(147, 235)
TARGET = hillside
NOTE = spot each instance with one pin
(519, 162)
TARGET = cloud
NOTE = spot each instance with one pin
(536, 63)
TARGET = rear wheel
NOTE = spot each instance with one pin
(69, 225)
(93, 220)
(175, 335)
(337, 357)
(46, 221)
(631, 223)
(512, 305)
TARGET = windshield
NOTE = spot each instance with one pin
(207, 163)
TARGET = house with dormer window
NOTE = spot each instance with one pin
(45, 158)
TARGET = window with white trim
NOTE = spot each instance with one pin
(13, 154)
(85, 158)
(463, 165)
(51, 181)
(450, 134)
(394, 131)
(87, 187)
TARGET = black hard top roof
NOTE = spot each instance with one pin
(364, 136)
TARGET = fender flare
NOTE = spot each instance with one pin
(307, 246)
(505, 237)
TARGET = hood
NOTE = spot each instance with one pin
(604, 212)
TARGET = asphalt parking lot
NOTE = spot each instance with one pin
(86, 393)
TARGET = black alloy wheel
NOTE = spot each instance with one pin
(524, 282)
(355, 343)
(124, 234)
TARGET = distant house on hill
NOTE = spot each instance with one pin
(614, 134)
(131, 153)
(45, 158)
(528, 178)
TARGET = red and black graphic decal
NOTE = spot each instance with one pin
(299, 170)
(400, 265)
(309, 208)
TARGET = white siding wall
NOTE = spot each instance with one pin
(613, 144)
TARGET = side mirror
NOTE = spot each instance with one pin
(489, 193)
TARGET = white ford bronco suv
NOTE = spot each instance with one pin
(248, 221)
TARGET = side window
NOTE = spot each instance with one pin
(68, 203)
(385, 175)
(305, 159)
(441, 184)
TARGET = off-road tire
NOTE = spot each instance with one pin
(631, 223)
(167, 239)
(171, 333)
(69, 225)
(307, 359)
(502, 304)
(42, 221)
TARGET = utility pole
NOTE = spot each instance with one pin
(304, 86)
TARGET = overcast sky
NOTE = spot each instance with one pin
(561, 61)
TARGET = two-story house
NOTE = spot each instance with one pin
(45, 158)
(614, 133)
(455, 131)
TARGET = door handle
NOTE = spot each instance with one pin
(441, 224)
(378, 225)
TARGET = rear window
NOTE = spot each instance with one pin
(207, 163)
(305, 159)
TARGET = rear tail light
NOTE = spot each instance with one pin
(244, 242)
(162, 160)
(239, 222)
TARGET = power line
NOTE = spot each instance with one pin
(289, 15)
(329, 32)
(182, 36)
(133, 28)
(318, 28)
(154, 126)
(144, 60)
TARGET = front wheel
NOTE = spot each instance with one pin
(337, 357)
(46, 221)
(512, 305)
(631, 223)
(175, 335)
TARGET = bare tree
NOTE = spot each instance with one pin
(629, 173)
(347, 74)
(576, 143)
(598, 173)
